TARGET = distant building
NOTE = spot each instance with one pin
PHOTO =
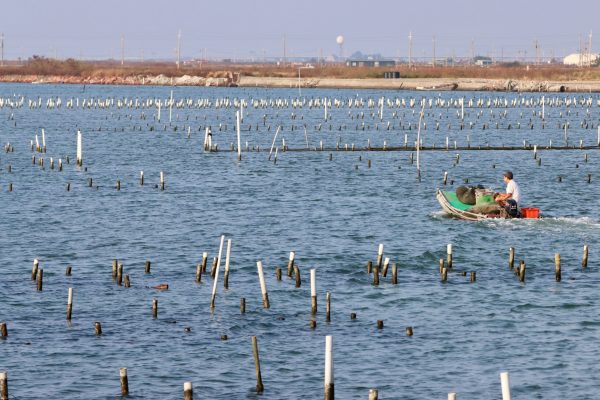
(483, 61)
(580, 59)
(370, 63)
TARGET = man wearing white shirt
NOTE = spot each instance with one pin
(512, 190)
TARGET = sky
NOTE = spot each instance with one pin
(239, 29)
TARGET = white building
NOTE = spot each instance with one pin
(580, 59)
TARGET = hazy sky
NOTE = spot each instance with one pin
(243, 29)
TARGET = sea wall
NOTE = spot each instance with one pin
(433, 84)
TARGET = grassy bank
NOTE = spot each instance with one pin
(40, 66)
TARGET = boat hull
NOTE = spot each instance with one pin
(456, 212)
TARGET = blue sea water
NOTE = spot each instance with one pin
(332, 213)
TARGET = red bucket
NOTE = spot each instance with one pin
(530, 212)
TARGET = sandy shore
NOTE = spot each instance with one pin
(433, 84)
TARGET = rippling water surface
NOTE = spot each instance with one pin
(332, 213)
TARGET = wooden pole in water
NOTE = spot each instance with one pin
(441, 264)
(98, 328)
(227, 254)
(124, 382)
(154, 308)
(373, 394)
(313, 290)
(114, 268)
(511, 258)
(329, 386)
(199, 273)
(394, 274)
(70, 304)
(278, 273)
(379, 255)
(40, 279)
(34, 270)
(505, 384)
(68, 270)
(263, 285)
(3, 385)
(557, 272)
(141, 178)
(449, 252)
(259, 384)
(328, 307)
(162, 180)
(444, 274)
(522, 272)
(297, 273)
(290, 267)
(376, 276)
(3, 330)
(120, 274)
(242, 305)
(584, 261)
(147, 267)
(188, 392)
(451, 396)
(386, 264)
(204, 259)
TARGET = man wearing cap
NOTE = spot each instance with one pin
(513, 193)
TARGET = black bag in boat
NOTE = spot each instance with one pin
(466, 194)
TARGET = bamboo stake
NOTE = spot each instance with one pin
(329, 386)
(227, 254)
(259, 384)
(263, 285)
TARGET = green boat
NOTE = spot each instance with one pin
(484, 208)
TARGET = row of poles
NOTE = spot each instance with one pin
(382, 264)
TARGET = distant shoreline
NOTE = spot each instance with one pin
(426, 84)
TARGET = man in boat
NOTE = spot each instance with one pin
(511, 200)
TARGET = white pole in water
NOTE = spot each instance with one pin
(159, 105)
(504, 382)
(206, 139)
(79, 158)
(263, 285)
(273, 144)
(462, 109)
(451, 396)
(419, 144)
(598, 136)
(237, 123)
(242, 110)
(326, 109)
(543, 102)
(170, 106)
(214, 290)
(43, 139)
(381, 110)
(329, 388)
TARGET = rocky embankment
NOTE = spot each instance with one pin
(228, 79)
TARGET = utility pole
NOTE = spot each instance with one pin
(537, 56)
(434, 51)
(409, 49)
(284, 52)
(580, 51)
(122, 50)
(2, 50)
(472, 51)
(590, 51)
(178, 48)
